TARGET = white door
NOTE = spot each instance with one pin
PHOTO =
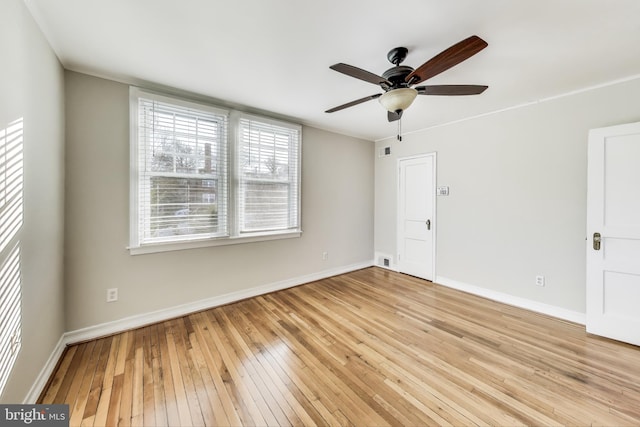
(613, 227)
(416, 216)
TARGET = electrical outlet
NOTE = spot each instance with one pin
(325, 256)
(112, 294)
(540, 280)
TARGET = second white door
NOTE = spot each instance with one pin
(613, 227)
(416, 216)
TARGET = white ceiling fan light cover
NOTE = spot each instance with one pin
(398, 99)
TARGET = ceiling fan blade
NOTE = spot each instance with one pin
(352, 103)
(451, 90)
(359, 73)
(394, 116)
(446, 59)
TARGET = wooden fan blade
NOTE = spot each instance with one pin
(394, 116)
(352, 103)
(446, 59)
(359, 73)
(451, 90)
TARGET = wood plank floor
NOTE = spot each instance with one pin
(371, 347)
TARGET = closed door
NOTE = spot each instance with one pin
(613, 227)
(416, 216)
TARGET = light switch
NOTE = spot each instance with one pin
(442, 191)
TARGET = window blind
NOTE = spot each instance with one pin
(182, 171)
(268, 175)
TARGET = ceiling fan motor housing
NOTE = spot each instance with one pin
(396, 75)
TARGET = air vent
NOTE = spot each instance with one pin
(384, 152)
(384, 260)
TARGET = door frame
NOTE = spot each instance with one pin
(434, 221)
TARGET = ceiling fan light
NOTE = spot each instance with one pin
(398, 99)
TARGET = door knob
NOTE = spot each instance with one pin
(596, 241)
(428, 224)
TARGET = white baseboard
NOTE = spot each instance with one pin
(140, 320)
(538, 307)
(45, 372)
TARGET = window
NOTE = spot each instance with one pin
(195, 184)
(181, 165)
(268, 176)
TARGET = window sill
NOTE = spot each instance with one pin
(204, 243)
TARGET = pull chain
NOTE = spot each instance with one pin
(400, 130)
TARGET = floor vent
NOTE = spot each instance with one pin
(384, 261)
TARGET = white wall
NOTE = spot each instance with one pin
(31, 88)
(517, 206)
(337, 217)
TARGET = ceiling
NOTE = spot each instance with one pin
(274, 55)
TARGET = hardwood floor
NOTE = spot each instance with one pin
(370, 347)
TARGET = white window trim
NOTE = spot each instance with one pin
(135, 248)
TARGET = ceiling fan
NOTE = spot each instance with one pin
(398, 81)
